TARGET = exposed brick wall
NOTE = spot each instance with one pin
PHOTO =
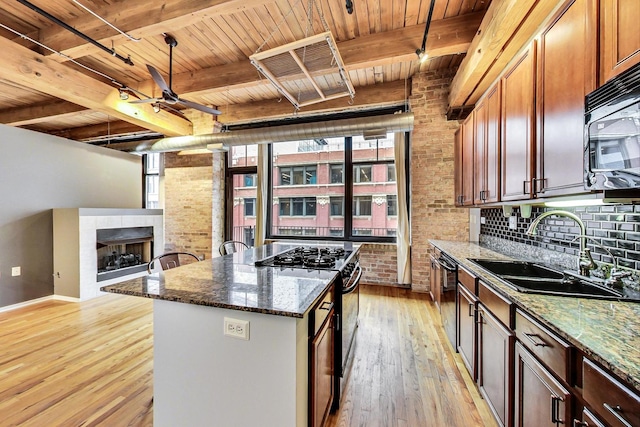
(433, 214)
(380, 263)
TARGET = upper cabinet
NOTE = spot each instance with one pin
(464, 167)
(566, 73)
(619, 36)
(518, 90)
(487, 148)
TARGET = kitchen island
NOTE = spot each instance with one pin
(203, 377)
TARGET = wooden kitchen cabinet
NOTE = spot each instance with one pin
(495, 362)
(540, 400)
(487, 148)
(322, 361)
(517, 131)
(619, 37)
(466, 321)
(464, 160)
(566, 73)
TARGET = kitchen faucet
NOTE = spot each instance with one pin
(585, 261)
(615, 276)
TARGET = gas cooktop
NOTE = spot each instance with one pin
(311, 257)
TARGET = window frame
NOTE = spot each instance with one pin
(146, 174)
(348, 183)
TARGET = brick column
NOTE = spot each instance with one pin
(433, 214)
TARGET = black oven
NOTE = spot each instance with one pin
(612, 134)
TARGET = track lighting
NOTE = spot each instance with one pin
(422, 54)
(349, 6)
(123, 94)
(156, 107)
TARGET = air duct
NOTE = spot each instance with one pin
(401, 122)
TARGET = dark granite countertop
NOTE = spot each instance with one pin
(233, 282)
(606, 331)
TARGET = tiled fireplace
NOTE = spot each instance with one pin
(98, 247)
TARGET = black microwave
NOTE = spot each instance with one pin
(612, 134)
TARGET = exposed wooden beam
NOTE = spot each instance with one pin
(102, 130)
(23, 67)
(39, 113)
(447, 36)
(507, 26)
(379, 95)
(138, 19)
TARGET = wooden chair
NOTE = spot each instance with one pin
(169, 260)
(231, 246)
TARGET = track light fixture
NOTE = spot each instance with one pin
(422, 54)
(349, 6)
(123, 94)
(156, 107)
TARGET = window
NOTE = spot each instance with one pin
(249, 207)
(298, 175)
(391, 173)
(250, 180)
(362, 206)
(337, 206)
(392, 205)
(328, 189)
(297, 206)
(337, 174)
(152, 180)
(362, 173)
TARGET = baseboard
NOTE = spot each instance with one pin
(38, 300)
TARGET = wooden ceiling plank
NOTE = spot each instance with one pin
(30, 69)
(38, 113)
(506, 27)
(138, 20)
(381, 95)
(449, 36)
(102, 130)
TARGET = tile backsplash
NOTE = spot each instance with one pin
(615, 227)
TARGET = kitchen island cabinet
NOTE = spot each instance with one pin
(203, 377)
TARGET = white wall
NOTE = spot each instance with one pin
(40, 172)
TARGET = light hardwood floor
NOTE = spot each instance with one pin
(90, 364)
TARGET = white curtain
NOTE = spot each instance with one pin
(261, 199)
(403, 237)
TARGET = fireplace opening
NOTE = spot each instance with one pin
(123, 251)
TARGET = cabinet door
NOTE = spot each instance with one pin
(518, 89)
(492, 147)
(467, 329)
(620, 38)
(468, 137)
(560, 100)
(540, 400)
(322, 373)
(480, 152)
(458, 167)
(495, 362)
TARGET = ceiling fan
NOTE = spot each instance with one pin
(168, 95)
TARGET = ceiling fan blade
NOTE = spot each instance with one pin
(200, 107)
(145, 100)
(157, 77)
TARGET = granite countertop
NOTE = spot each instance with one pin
(607, 331)
(232, 282)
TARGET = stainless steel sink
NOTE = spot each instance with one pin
(531, 277)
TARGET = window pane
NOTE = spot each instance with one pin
(362, 173)
(337, 174)
(392, 205)
(152, 197)
(250, 180)
(302, 205)
(362, 205)
(337, 206)
(391, 173)
(249, 207)
(243, 155)
(243, 206)
(152, 163)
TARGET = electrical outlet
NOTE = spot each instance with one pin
(16, 271)
(236, 328)
(513, 222)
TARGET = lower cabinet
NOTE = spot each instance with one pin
(540, 400)
(321, 361)
(495, 362)
(466, 320)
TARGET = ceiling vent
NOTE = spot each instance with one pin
(306, 71)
